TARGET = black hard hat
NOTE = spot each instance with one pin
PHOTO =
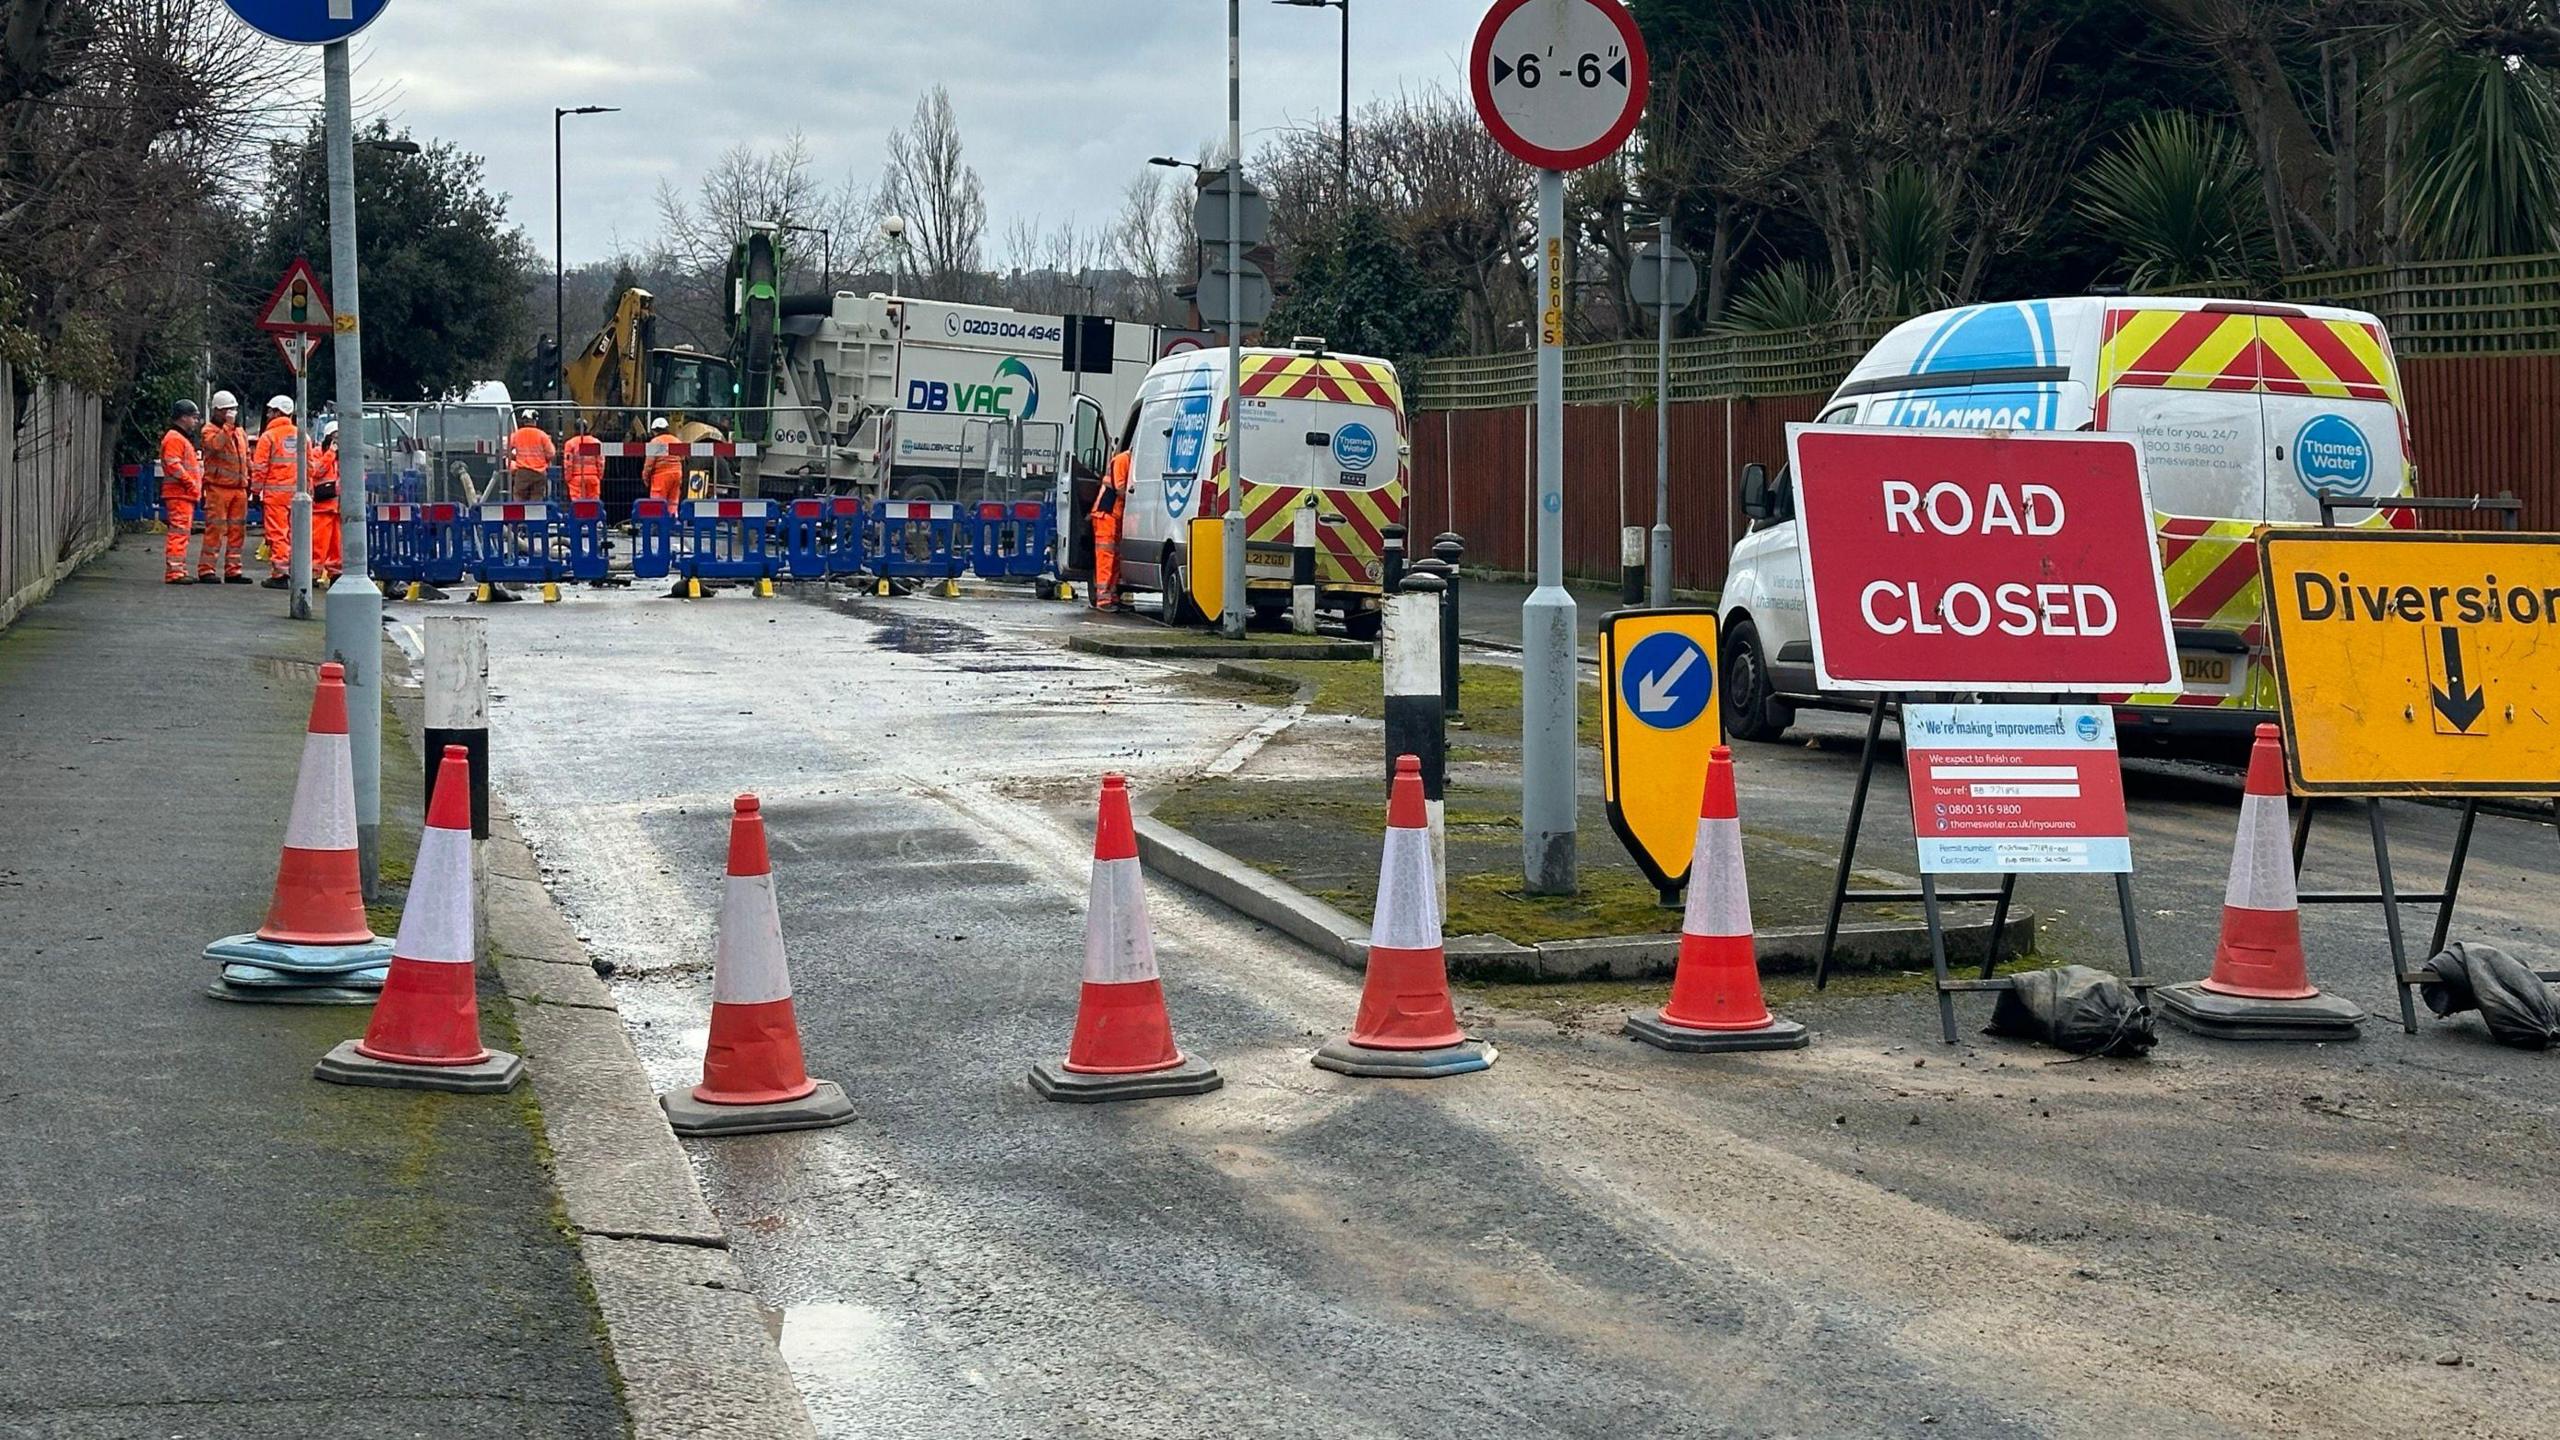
(182, 410)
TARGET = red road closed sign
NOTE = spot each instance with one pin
(1947, 560)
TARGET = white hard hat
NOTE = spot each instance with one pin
(328, 431)
(525, 415)
(225, 400)
(657, 424)
(282, 404)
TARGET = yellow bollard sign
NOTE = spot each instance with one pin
(1205, 570)
(2416, 663)
(1659, 720)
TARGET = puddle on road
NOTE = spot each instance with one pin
(827, 1335)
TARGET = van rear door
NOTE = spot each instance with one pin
(1349, 456)
(2332, 425)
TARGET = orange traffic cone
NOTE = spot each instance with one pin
(425, 1033)
(2259, 989)
(1715, 994)
(1406, 1027)
(753, 1079)
(316, 946)
(1123, 1046)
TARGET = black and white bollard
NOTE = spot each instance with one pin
(1448, 547)
(1415, 722)
(1302, 569)
(1391, 561)
(457, 703)
(1631, 542)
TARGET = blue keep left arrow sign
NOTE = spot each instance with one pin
(307, 22)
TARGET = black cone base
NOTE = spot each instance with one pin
(1054, 1081)
(816, 1110)
(1778, 1034)
(2205, 1012)
(347, 1065)
(1344, 1058)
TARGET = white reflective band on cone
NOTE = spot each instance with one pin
(747, 967)
(324, 796)
(436, 923)
(1719, 894)
(2262, 861)
(1408, 915)
(1118, 947)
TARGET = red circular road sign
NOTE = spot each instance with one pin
(1560, 83)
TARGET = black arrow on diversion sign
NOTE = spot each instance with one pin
(2464, 704)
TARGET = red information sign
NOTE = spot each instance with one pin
(2015, 787)
(1945, 560)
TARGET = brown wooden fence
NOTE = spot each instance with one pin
(2479, 425)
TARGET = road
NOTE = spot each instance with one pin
(1877, 1236)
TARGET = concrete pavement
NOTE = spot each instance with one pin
(200, 1240)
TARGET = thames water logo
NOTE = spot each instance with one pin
(1355, 447)
(2331, 457)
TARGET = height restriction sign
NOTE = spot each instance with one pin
(1948, 560)
(2416, 663)
(1560, 83)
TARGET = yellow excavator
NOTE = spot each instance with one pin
(622, 379)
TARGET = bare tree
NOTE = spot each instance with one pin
(686, 264)
(930, 184)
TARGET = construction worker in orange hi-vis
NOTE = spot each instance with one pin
(529, 454)
(1106, 532)
(582, 464)
(326, 559)
(660, 467)
(181, 486)
(225, 447)
(271, 461)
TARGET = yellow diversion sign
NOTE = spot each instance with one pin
(1658, 721)
(2415, 663)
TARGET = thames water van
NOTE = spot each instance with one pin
(2247, 415)
(1315, 425)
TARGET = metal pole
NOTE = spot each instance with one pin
(297, 595)
(1547, 640)
(353, 630)
(559, 287)
(1660, 562)
(1231, 599)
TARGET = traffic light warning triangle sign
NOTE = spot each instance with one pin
(299, 306)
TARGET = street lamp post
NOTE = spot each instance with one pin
(1342, 140)
(559, 254)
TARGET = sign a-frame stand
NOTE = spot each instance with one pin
(2387, 894)
(2020, 566)
(1933, 900)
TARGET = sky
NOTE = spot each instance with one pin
(1059, 101)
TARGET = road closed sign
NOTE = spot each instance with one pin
(2415, 663)
(1939, 560)
(1658, 721)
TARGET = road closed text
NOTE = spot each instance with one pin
(1939, 560)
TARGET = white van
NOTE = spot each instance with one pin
(2248, 414)
(1314, 424)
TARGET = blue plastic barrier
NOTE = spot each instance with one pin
(441, 539)
(822, 536)
(1011, 541)
(391, 544)
(588, 558)
(918, 539)
(653, 540)
(730, 540)
(137, 493)
(515, 544)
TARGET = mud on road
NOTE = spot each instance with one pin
(1878, 1236)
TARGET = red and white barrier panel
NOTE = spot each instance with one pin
(728, 509)
(680, 449)
(524, 510)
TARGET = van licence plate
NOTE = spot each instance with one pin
(2208, 672)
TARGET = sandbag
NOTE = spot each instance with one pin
(2076, 1008)
(2518, 1004)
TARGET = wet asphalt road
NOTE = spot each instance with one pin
(1879, 1236)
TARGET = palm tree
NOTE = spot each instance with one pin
(2179, 196)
